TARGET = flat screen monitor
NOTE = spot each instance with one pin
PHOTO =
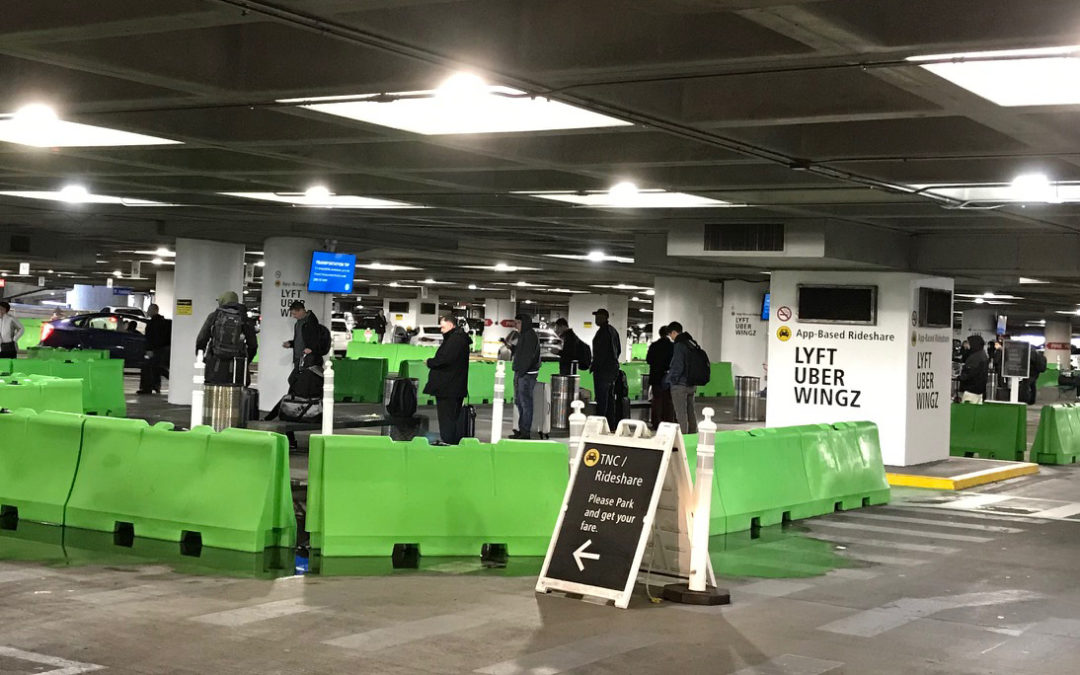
(765, 307)
(331, 272)
(935, 308)
(838, 304)
(399, 307)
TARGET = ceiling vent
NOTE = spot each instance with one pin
(744, 237)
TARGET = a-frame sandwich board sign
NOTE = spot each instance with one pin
(629, 503)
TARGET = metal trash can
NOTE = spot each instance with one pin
(747, 399)
(564, 389)
(222, 406)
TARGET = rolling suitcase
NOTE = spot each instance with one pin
(467, 422)
(249, 405)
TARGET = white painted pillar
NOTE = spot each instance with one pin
(694, 303)
(1058, 343)
(204, 270)
(87, 298)
(498, 322)
(744, 334)
(582, 321)
(164, 292)
(285, 280)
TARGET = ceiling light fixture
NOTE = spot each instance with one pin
(317, 193)
(429, 280)
(117, 273)
(596, 256)
(1012, 77)
(472, 287)
(389, 268)
(330, 201)
(462, 104)
(586, 256)
(164, 252)
(1034, 187)
(1027, 280)
(39, 125)
(76, 194)
(623, 194)
(261, 263)
(503, 267)
(158, 262)
(645, 199)
(979, 301)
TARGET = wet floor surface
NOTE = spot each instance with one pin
(981, 581)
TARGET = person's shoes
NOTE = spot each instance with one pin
(524, 436)
(515, 434)
(157, 391)
(439, 443)
(143, 392)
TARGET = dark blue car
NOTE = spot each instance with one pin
(124, 335)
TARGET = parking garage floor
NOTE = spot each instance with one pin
(976, 582)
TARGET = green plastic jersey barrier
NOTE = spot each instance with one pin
(102, 380)
(57, 353)
(39, 454)
(988, 430)
(40, 393)
(1057, 440)
(721, 381)
(639, 350)
(769, 476)
(365, 335)
(359, 380)
(368, 493)
(1049, 377)
(227, 490)
(394, 353)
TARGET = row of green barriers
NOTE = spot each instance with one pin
(770, 476)
(227, 490)
(367, 494)
(60, 354)
(40, 393)
(1057, 440)
(102, 380)
(988, 430)
(393, 353)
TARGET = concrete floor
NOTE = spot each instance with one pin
(977, 582)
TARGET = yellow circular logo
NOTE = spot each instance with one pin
(783, 333)
(592, 456)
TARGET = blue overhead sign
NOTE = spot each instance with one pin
(331, 272)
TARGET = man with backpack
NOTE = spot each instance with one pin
(606, 350)
(1029, 387)
(310, 343)
(689, 370)
(228, 342)
(659, 359)
(573, 349)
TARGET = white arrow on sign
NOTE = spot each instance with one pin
(580, 553)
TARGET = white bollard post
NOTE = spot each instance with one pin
(577, 427)
(197, 393)
(497, 402)
(328, 399)
(699, 542)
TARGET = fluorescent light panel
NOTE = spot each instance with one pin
(84, 198)
(46, 132)
(1056, 193)
(486, 110)
(324, 202)
(501, 268)
(389, 268)
(644, 199)
(585, 256)
(1015, 77)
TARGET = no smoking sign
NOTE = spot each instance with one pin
(783, 313)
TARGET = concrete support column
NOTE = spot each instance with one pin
(694, 303)
(498, 322)
(285, 280)
(164, 292)
(745, 335)
(1058, 343)
(87, 298)
(204, 270)
(982, 322)
(581, 318)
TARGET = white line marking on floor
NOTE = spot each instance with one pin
(573, 655)
(512, 609)
(792, 664)
(895, 614)
(881, 543)
(974, 501)
(937, 523)
(133, 594)
(19, 575)
(1060, 512)
(977, 515)
(898, 530)
(262, 612)
(61, 666)
(884, 559)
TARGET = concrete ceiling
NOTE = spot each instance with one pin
(802, 110)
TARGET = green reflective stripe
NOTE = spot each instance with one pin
(367, 493)
(990, 430)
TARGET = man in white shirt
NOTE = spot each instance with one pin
(10, 332)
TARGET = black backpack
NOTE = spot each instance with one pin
(584, 356)
(325, 343)
(698, 366)
(227, 334)
(402, 403)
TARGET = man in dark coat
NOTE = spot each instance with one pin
(156, 357)
(238, 346)
(448, 380)
(659, 359)
(606, 350)
(526, 367)
(306, 378)
(976, 368)
(571, 347)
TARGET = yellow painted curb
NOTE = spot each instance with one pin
(965, 480)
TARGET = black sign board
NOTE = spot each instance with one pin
(602, 530)
(1016, 361)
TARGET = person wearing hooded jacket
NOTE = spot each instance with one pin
(973, 374)
(526, 367)
(683, 392)
(220, 360)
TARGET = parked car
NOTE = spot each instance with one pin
(340, 336)
(347, 317)
(123, 334)
(429, 336)
(550, 345)
(133, 311)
